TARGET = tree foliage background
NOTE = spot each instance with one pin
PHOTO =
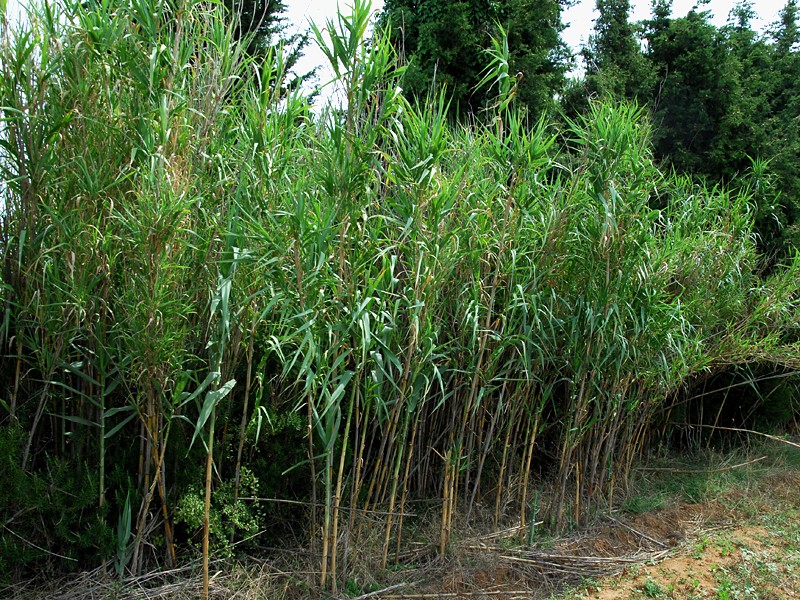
(444, 45)
(723, 100)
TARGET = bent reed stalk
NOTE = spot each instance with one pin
(485, 306)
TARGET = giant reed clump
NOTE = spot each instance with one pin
(453, 312)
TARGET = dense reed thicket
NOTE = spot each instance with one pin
(206, 289)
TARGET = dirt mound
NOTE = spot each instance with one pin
(743, 544)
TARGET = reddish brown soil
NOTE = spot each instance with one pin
(687, 551)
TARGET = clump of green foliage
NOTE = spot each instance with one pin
(50, 520)
(229, 519)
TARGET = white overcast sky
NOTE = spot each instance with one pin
(579, 18)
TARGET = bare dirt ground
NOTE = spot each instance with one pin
(740, 541)
(745, 544)
(742, 544)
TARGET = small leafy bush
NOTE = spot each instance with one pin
(228, 517)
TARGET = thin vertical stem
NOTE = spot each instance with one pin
(207, 506)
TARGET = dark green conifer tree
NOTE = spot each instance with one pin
(615, 65)
(726, 97)
(264, 23)
(689, 96)
(784, 124)
(443, 43)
